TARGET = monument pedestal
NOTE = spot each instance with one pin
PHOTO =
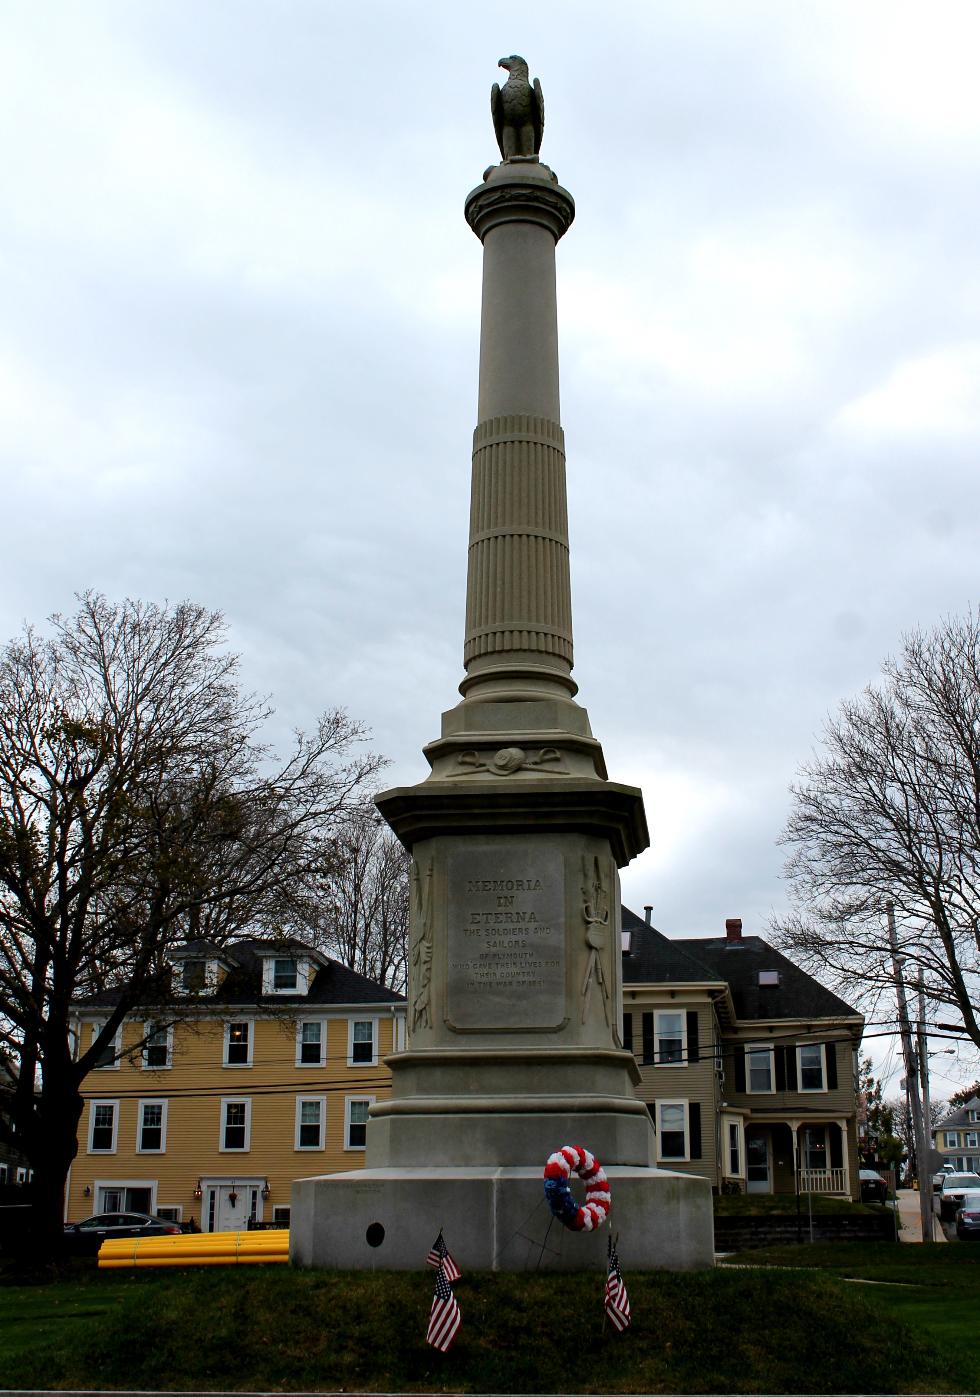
(495, 1220)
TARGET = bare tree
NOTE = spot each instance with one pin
(357, 908)
(138, 809)
(901, 1112)
(890, 809)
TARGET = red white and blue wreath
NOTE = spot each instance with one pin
(560, 1198)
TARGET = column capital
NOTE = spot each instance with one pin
(519, 192)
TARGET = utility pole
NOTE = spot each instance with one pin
(912, 1080)
(922, 1045)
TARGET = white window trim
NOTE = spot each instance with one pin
(322, 1102)
(658, 1014)
(372, 1019)
(148, 1028)
(103, 1101)
(100, 1184)
(299, 1041)
(280, 1208)
(303, 976)
(751, 1048)
(739, 1124)
(952, 1140)
(176, 1209)
(972, 1140)
(210, 974)
(238, 1066)
(674, 1158)
(356, 1149)
(116, 1046)
(823, 1067)
(227, 1101)
(151, 1101)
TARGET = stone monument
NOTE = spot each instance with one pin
(514, 1043)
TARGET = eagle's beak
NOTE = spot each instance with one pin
(503, 63)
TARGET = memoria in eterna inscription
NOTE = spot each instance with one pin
(506, 940)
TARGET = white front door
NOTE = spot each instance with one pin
(231, 1205)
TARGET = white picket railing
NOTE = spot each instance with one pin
(822, 1181)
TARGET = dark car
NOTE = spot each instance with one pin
(968, 1215)
(874, 1189)
(85, 1238)
(950, 1196)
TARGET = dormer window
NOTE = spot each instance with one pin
(284, 974)
(198, 974)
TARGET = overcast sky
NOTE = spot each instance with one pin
(239, 339)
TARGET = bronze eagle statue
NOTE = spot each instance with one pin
(518, 111)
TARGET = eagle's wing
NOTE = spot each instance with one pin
(497, 112)
(537, 115)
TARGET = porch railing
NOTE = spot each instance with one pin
(822, 1181)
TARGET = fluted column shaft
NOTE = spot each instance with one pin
(518, 598)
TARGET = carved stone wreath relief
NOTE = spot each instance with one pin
(510, 759)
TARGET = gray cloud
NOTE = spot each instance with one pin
(239, 347)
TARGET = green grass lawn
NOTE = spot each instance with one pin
(755, 1329)
(934, 1290)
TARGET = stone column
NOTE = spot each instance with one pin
(518, 595)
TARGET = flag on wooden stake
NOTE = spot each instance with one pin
(439, 1255)
(617, 1301)
(444, 1317)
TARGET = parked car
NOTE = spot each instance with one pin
(950, 1195)
(85, 1238)
(937, 1178)
(968, 1216)
(874, 1189)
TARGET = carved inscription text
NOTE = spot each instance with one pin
(506, 939)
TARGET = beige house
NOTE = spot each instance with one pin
(265, 1076)
(957, 1138)
(748, 1065)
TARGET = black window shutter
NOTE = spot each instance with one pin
(647, 1037)
(780, 1056)
(694, 1124)
(830, 1052)
(693, 1050)
(836, 1147)
(738, 1057)
(628, 1032)
(791, 1079)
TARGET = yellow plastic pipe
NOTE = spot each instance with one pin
(197, 1249)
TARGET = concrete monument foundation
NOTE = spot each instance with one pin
(514, 1033)
(495, 1220)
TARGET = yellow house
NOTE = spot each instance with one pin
(264, 1075)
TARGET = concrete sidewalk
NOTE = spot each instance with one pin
(908, 1212)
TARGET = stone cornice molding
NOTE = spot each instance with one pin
(519, 200)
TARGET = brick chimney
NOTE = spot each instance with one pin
(733, 928)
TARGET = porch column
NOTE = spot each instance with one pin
(794, 1131)
(845, 1155)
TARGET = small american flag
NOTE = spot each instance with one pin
(444, 1317)
(439, 1255)
(617, 1301)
